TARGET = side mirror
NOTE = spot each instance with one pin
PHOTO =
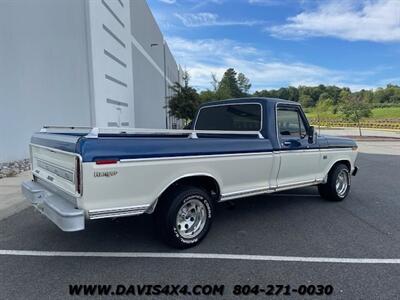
(311, 134)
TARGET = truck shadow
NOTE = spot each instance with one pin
(251, 220)
(251, 225)
(131, 232)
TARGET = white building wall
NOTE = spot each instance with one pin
(174, 75)
(80, 62)
(128, 51)
(110, 44)
(44, 76)
(148, 77)
(149, 93)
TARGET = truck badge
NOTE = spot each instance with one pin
(105, 173)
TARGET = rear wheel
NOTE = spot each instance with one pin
(337, 186)
(184, 216)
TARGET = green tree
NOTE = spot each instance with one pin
(214, 82)
(243, 83)
(310, 95)
(232, 85)
(307, 96)
(324, 105)
(354, 107)
(228, 87)
(183, 105)
(293, 94)
(262, 93)
(389, 94)
(323, 97)
(207, 95)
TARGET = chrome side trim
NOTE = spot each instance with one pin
(297, 185)
(196, 156)
(342, 149)
(244, 193)
(299, 150)
(117, 212)
(260, 191)
(229, 155)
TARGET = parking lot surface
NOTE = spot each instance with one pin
(290, 224)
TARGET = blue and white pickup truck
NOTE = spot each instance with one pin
(236, 148)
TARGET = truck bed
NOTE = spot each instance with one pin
(150, 144)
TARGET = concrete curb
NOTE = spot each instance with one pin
(397, 131)
(372, 138)
(12, 210)
(11, 199)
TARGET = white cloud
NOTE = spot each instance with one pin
(203, 57)
(377, 21)
(168, 1)
(210, 19)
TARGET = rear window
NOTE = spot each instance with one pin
(235, 117)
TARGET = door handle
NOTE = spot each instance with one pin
(291, 143)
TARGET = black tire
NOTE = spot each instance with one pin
(328, 190)
(167, 212)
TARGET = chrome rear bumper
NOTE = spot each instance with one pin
(59, 210)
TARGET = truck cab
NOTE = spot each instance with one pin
(304, 156)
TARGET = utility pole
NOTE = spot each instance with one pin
(165, 86)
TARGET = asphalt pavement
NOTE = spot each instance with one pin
(296, 223)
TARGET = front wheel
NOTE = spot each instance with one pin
(337, 186)
(185, 216)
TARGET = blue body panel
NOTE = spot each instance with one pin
(64, 142)
(149, 146)
(132, 147)
(337, 142)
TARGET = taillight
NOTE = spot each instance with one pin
(78, 183)
(106, 161)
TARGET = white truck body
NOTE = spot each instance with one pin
(117, 185)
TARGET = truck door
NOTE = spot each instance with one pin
(299, 157)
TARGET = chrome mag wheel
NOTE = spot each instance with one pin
(191, 218)
(342, 183)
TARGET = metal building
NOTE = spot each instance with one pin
(87, 62)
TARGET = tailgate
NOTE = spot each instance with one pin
(58, 168)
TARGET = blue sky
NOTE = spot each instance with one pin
(285, 42)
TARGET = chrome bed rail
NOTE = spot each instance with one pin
(94, 132)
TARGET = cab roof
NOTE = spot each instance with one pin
(261, 100)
